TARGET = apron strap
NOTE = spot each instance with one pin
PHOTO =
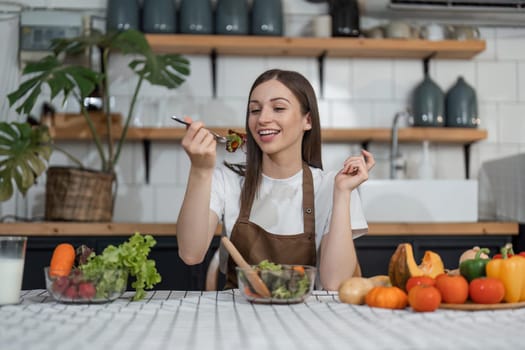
(308, 200)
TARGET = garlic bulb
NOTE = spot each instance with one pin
(471, 254)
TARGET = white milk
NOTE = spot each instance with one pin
(11, 272)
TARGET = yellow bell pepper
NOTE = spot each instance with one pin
(511, 271)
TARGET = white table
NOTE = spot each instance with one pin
(224, 320)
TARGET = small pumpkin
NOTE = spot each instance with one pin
(387, 298)
(403, 265)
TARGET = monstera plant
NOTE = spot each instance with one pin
(25, 149)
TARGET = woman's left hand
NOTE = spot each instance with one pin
(355, 171)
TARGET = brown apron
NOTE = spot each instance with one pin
(255, 244)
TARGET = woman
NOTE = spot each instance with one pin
(285, 209)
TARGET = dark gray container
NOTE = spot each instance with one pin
(267, 17)
(159, 16)
(428, 104)
(345, 18)
(196, 17)
(122, 15)
(461, 106)
(231, 17)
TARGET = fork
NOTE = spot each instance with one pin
(218, 138)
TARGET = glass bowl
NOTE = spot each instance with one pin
(77, 288)
(290, 284)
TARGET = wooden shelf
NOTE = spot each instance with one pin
(168, 229)
(314, 47)
(329, 135)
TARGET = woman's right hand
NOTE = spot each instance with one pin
(200, 145)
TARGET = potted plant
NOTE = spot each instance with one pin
(26, 149)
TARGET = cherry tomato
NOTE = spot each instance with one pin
(486, 290)
(453, 289)
(419, 280)
(424, 298)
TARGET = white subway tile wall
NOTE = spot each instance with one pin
(406, 75)
(521, 81)
(357, 93)
(497, 81)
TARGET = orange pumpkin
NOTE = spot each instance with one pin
(403, 265)
(387, 298)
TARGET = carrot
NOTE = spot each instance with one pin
(249, 292)
(299, 269)
(62, 260)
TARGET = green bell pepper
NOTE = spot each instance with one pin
(474, 268)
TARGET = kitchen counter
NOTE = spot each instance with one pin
(168, 229)
(224, 320)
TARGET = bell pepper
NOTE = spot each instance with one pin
(509, 253)
(511, 271)
(474, 268)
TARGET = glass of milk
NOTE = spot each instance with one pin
(12, 257)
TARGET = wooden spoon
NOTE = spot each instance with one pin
(255, 281)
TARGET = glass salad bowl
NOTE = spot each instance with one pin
(287, 284)
(103, 287)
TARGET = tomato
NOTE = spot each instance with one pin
(423, 298)
(486, 290)
(453, 289)
(419, 280)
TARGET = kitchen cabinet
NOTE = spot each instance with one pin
(176, 275)
(374, 254)
(373, 250)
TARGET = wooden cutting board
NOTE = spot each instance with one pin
(469, 306)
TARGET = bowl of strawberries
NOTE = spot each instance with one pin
(79, 287)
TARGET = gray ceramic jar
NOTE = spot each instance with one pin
(428, 104)
(122, 15)
(231, 17)
(196, 17)
(267, 17)
(461, 106)
(158, 16)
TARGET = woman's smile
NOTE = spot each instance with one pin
(267, 135)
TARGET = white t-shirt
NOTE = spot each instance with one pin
(278, 206)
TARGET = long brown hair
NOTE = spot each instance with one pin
(311, 145)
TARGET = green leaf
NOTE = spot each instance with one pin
(26, 86)
(38, 166)
(6, 188)
(85, 79)
(132, 256)
(164, 70)
(132, 42)
(45, 64)
(61, 78)
(60, 82)
(25, 151)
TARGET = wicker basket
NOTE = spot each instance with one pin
(74, 194)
